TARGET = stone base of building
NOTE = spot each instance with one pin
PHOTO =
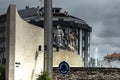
(84, 73)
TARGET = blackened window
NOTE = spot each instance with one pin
(57, 11)
(61, 19)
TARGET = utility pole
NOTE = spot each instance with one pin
(48, 55)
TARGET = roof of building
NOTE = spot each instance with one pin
(28, 12)
(34, 12)
(2, 18)
(114, 55)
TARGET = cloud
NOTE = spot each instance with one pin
(104, 18)
(102, 15)
(20, 4)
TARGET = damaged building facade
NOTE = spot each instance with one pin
(22, 41)
(76, 32)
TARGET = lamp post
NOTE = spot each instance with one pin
(48, 55)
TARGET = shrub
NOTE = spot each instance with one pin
(44, 76)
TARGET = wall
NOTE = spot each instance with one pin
(28, 39)
(71, 57)
(24, 40)
(89, 73)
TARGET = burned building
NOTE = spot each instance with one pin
(76, 31)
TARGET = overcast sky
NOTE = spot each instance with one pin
(102, 15)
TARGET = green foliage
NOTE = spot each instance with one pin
(2, 72)
(44, 76)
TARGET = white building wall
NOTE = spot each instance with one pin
(24, 44)
(28, 39)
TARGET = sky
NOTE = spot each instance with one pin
(102, 15)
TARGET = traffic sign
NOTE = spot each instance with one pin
(64, 67)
